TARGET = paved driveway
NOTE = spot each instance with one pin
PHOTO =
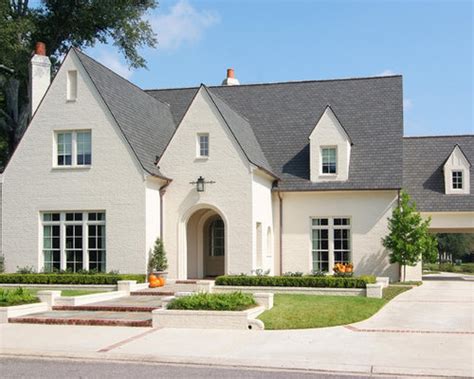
(425, 331)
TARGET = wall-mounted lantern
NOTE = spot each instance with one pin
(200, 184)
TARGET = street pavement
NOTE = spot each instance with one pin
(428, 331)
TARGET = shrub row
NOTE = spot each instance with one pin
(16, 296)
(235, 301)
(69, 278)
(291, 281)
(449, 267)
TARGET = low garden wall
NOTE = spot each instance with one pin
(21, 310)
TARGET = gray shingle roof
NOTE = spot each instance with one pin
(282, 116)
(423, 177)
(146, 123)
(242, 132)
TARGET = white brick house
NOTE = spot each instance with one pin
(234, 178)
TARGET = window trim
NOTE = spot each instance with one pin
(198, 146)
(321, 172)
(74, 164)
(457, 171)
(63, 223)
(331, 246)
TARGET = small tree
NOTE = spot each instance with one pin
(409, 240)
(157, 260)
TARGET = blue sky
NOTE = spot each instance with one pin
(429, 42)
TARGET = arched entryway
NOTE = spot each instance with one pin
(205, 244)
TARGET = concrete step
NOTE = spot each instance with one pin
(121, 304)
(78, 317)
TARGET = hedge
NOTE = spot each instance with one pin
(235, 301)
(69, 278)
(288, 281)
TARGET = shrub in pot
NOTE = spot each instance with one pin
(157, 262)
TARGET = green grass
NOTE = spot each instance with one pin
(407, 283)
(235, 301)
(463, 268)
(311, 311)
(16, 296)
(64, 292)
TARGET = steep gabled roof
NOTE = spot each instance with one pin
(146, 123)
(242, 132)
(460, 150)
(282, 116)
(423, 178)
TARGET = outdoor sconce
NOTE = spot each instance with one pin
(200, 184)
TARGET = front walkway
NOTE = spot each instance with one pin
(426, 331)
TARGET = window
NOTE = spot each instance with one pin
(74, 148)
(217, 242)
(68, 236)
(71, 85)
(203, 145)
(457, 180)
(331, 241)
(329, 160)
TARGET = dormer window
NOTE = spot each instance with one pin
(329, 160)
(203, 145)
(457, 180)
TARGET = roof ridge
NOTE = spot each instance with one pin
(282, 82)
(119, 76)
(441, 136)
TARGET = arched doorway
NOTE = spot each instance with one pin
(205, 244)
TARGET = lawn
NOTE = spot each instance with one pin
(311, 311)
(64, 292)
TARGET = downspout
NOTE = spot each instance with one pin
(400, 266)
(280, 213)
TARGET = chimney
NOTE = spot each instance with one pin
(230, 80)
(40, 76)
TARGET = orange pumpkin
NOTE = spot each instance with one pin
(152, 277)
(163, 281)
(154, 283)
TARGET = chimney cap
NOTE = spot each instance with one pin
(40, 48)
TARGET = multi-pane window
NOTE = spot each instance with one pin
(51, 242)
(457, 180)
(83, 140)
(329, 160)
(217, 238)
(64, 149)
(74, 241)
(331, 242)
(203, 148)
(74, 148)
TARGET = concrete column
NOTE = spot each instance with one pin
(49, 297)
(127, 286)
(374, 290)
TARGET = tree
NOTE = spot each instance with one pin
(157, 260)
(409, 240)
(456, 245)
(61, 24)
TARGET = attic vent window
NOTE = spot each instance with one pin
(203, 145)
(457, 180)
(71, 85)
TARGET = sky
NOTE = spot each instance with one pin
(429, 42)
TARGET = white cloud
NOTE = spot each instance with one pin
(407, 104)
(113, 61)
(387, 73)
(182, 24)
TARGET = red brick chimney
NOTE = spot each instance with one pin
(230, 80)
(40, 48)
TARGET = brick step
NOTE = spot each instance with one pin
(134, 319)
(105, 308)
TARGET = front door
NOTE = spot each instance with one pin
(214, 248)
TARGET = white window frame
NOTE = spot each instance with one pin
(331, 246)
(198, 145)
(71, 86)
(462, 180)
(322, 148)
(74, 163)
(63, 223)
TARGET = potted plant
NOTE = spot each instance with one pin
(157, 262)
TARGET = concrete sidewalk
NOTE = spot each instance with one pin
(426, 331)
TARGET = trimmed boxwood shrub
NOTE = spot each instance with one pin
(235, 301)
(291, 281)
(69, 278)
(16, 296)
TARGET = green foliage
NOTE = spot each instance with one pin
(293, 274)
(390, 292)
(69, 278)
(294, 281)
(157, 260)
(449, 267)
(235, 301)
(456, 244)
(16, 296)
(408, 239)
(25, 270)
(2, 264)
